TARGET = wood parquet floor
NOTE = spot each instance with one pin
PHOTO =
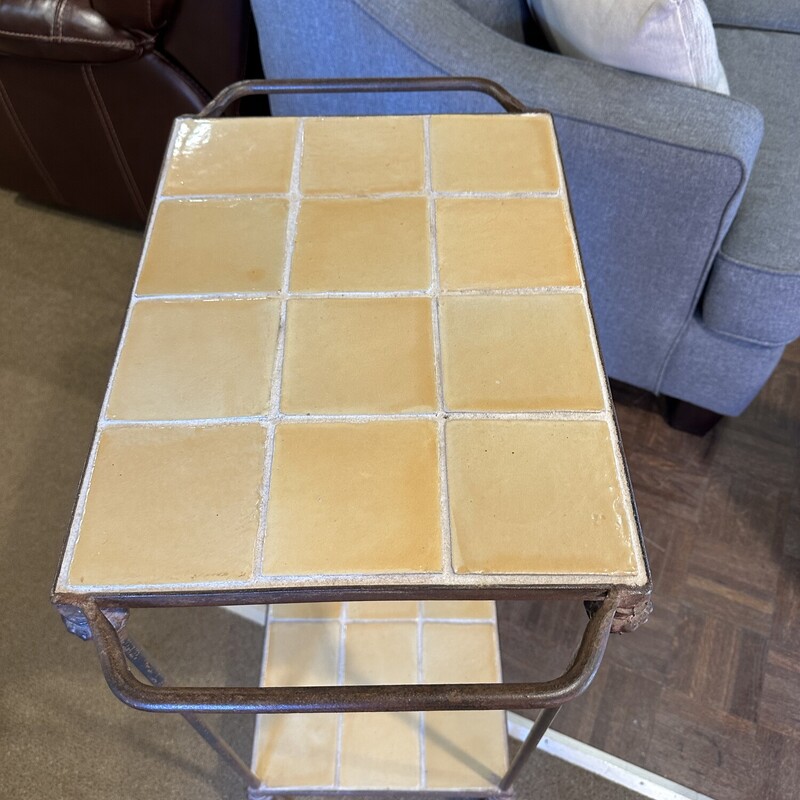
(708, 692)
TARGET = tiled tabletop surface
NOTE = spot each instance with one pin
(358, 352)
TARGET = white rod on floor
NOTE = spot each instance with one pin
(606, 766)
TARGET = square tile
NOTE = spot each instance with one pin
(196, 360)
(514, 243)
(312, 611)
(383, 609)
(493, 153)
(459, 609)
(380, 751)
(354, 498)
(207, 246)
(299, 749)
(171, 506)
(519, 480)
(456, 653)
(518, 353)
(465, 749)
(381, 652)
(231, 156)
(296, 749)
(362, 155)
(462, 748)
(302, 654)
(359, 356)
(359, 245)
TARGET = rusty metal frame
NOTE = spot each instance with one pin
(612, 608)
(330, 699)
(237, 91)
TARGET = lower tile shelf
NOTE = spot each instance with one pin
(440, 752)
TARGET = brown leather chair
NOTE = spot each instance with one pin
(89, 89)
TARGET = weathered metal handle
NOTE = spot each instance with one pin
(304, 699)
(236, 91)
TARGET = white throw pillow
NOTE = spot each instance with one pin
(671, 39)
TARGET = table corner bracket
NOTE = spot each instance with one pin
(77, 623)
(632, 613)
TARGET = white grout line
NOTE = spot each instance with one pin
(365, 195)
(554, 416)
(513, 291)
(498, 660)
(200, 296)
(291, 236)
(304, 419)
(340, 667)
(266, 477)
(613, 769)
(441, 450)
(261, 682)
(423, 770)
(280, 349)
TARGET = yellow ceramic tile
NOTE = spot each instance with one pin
(465, 748)
(383, 609)
(456, 653)
(381, 652)
(196, 360)
(380, 751)
(493, 153)
(518, 353)
(206, 246)
(354, 498)
(302, 654)
(509, 243)
(536, 497)
(296, 749)
(317, 611)
(171, 505)
(299, 749)
(362, 155)
(232, 156)
(458, 609)
(360, 245)
(358, 356)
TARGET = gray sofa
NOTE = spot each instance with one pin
(687, 203)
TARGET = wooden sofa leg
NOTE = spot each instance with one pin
(689, 418)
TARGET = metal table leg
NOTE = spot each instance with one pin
(142, 661)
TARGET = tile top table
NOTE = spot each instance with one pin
(359, 353)
(359, 366)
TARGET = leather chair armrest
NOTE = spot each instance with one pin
(72, 30)
(137, 15)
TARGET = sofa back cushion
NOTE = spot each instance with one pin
(672, 39)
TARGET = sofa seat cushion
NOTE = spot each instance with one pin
(754, 287)
(767, 15)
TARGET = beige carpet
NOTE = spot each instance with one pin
(64, 283)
